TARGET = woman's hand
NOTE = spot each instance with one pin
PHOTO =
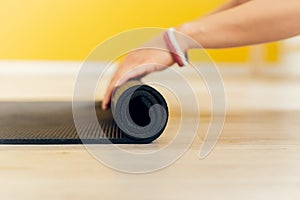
(153, 56)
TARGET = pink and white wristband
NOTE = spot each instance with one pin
(172, 44)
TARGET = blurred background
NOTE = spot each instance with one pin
(69, 30)
(43, 42)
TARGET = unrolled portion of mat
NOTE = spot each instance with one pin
(52, 122)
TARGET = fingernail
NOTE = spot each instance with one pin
(119, 83)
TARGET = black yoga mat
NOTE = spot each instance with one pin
(139, 115)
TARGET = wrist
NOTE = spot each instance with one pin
(188, 34)
(174, 42)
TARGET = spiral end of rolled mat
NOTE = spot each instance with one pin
(139, 110)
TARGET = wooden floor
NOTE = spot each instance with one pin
(257, 156)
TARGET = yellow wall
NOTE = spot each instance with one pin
(70, 29)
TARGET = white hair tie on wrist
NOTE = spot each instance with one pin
(178, 55)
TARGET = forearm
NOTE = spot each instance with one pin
(228, 5)
(254, 22)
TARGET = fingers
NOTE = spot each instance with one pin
(107, 97)
(120, 78)
(109, 91)
(115, 82)
(136, 65)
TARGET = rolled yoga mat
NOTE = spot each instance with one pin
(139, 115)
(139, 110)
